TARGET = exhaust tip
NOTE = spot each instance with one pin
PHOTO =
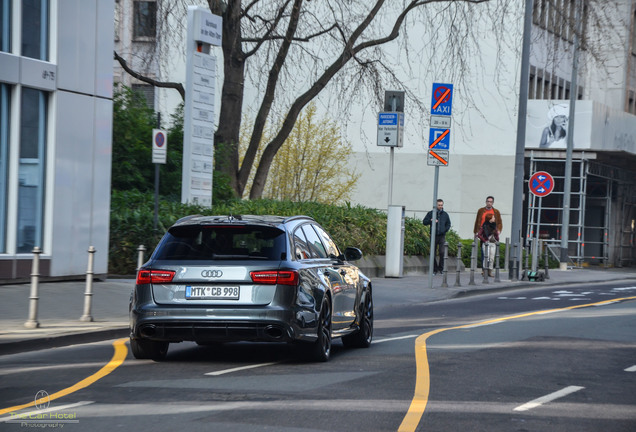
(148, 330)
(274, 332)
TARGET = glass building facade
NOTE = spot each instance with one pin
(55, 134)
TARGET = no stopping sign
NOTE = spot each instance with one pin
(541, 183)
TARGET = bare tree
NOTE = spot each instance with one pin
(290, 51)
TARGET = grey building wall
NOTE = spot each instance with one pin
(77, 77)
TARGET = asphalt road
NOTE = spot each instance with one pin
(421, 373)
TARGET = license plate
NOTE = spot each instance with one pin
(212, 293)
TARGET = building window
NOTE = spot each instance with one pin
(35, 29)
(532, 84)
(146, 92)
(31, 171)
(544, 86)
(117, 26)
(145, 19)
(536, 12)
(5, 25)
(634, 34)
(557, 16)
(5, 104)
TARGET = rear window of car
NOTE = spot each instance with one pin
(221, 242)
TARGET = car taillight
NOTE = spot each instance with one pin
(273, 277)
(154, 276)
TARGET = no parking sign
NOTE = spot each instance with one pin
(541, 183)
(159, 146)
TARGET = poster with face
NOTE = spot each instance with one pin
(547, 124)
(554, 133)
(596, 126)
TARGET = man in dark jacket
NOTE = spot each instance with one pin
(442, 226)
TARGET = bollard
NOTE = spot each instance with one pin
(524, 275)
(473, 262)
(546, 262)
(515, 262)
(444, 271)
(459, 262)
(497, 263)
(140, 256)
(88, 294)
(484, 264)
(32, 321)
(507, 255)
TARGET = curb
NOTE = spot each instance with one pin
(528, 284)
(57, 341)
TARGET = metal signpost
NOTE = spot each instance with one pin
(159, 156)
(204, 31)
(438, 151)
(540, 184)
(390, 134)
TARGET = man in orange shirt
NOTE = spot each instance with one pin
(484, 214)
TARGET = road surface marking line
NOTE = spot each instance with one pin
(394, 339)
(631, 369)
(227, 371)
(422, 377)
(482, 324)
(548, 398)
(422, 384)
(41, 411)
(118, 358)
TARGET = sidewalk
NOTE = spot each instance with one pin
(61, 304)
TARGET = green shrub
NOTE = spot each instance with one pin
(132, 218)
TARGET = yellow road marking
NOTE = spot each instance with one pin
(422, 376)
(118, 358)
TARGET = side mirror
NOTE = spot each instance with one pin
(352, 254)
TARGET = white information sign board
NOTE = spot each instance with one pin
(199, 110)
(390, 129)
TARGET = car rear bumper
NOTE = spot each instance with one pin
(224, 325)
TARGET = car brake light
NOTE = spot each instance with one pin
(154, 276)
(273, 277)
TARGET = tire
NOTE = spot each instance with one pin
(363, 337)
(148, 349)
(320, 350)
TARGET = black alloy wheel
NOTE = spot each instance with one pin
(320, 350)
(363, 337)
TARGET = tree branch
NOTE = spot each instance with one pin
(174, 85)
(295, 39)
(263, 113)
(260, 41)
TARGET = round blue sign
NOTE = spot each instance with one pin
(541, 183)
(160, 139)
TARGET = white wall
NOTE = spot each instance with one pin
(463, 185)
(82, 144)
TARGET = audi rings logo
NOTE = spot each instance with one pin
(212, 273)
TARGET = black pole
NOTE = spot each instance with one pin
(156, 218)
(517, 197)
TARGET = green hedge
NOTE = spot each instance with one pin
(132, 216)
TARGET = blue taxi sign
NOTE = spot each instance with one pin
(442, 99)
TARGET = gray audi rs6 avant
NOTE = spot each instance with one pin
(250, 278)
